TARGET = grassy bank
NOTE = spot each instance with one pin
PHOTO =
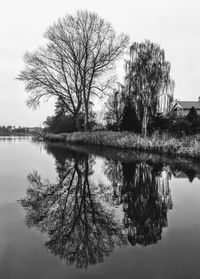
(186, 146)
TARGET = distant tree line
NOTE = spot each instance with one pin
(9, 130)
(5, 129)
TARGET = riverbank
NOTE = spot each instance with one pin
(186, 146)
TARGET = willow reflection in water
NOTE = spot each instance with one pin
(81, 227)
(81, 230)
(144, 193)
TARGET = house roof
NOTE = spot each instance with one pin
(189, 104)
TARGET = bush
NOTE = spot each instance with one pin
(180, 127)
(195, 126)
(194, 119)
(192, 115)
(159, 123)
(60, 124)
(130, 121)
(112, 127)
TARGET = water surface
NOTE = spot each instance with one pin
(85, 212)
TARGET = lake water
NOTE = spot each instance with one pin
(85, 212)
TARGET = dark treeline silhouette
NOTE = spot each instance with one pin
(12, 130)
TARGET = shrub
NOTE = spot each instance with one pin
(194, 119)
(130, 121)
(180, 127)
(192, 115)
(195, 126)
(112, 127)
(159, 123)
(60, 124)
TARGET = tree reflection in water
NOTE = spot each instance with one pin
(81, 230)
(143, 190)
(78, 214)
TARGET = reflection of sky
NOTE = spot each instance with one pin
(186, 210)
(17, 159)
(22, 251)
(100, 177)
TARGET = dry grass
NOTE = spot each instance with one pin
(186, 146)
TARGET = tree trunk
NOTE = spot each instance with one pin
(78, 125)
(86, 119)
(145, 122)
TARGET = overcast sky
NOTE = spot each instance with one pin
(174, 24)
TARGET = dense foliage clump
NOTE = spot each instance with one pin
(60, 124)
(130, 121)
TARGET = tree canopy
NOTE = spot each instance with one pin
(147, 78)
(75, 64)
(192, 115)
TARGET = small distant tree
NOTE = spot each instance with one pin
(192, 115)
(194, 119)
(130, 121)
(148, 77)
(114, 109)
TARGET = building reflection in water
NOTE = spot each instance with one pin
(82, 228)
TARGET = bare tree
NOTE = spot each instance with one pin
(46, 74)
(76, 63)
(80, 229)
(114, 107)
(147, 78)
